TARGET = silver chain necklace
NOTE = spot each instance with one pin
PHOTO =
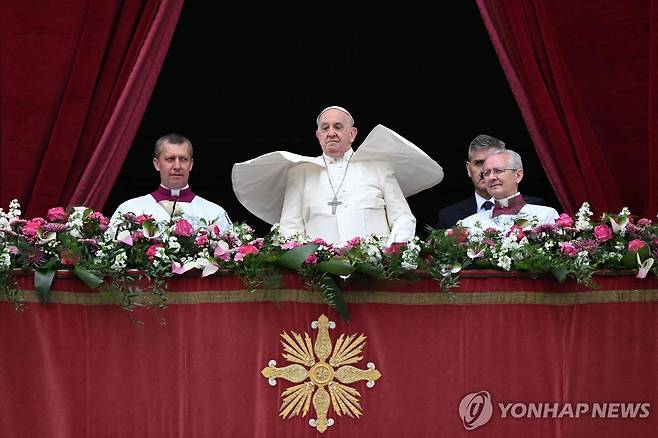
(335, 202)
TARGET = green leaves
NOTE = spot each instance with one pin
(43, 279)
(560, 274)
(336, 267)
(333, 295)
(322, 280)
(87, 277)
(294, 258)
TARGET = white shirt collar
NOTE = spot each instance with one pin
(346, 156)
(175, 192)
(504, 202)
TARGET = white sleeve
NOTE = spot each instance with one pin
(398, 213)
(223, 221)
(291, 221)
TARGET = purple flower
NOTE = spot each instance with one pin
(589, 245)
(54, 227)
(35, 257)
(91, 243)
(543, 228)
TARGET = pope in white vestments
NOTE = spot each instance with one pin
(341, 194)
(503, 171)
(174, 160)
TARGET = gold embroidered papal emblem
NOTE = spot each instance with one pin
(322, 381)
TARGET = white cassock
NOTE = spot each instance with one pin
(195, 210)
(368, 202)
(369, 187)
(535, 214)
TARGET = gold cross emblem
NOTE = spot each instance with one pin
(320, 381)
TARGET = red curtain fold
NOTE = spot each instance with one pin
(131, 100)
(65, 72)
(583, 74)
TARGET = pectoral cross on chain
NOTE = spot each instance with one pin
(334, 203)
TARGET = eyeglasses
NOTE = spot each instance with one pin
(485, 173)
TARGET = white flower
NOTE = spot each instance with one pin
(374, 253)
(120, 261)
(583, 222)
(410, 255)
(173, 244)
(5, 260)
(505, 262)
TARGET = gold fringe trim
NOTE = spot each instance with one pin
(372, 297)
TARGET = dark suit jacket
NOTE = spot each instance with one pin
(448, 216)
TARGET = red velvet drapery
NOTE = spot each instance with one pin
(67, 73)
(78, 368)
(585, 76)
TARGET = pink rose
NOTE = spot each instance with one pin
(568, 249)
(355, 241)
(519, 232)
(103, 222)
(395, 248)
(66, 258)
(136, 235)
(458, 233)
(143, 218)
(56, 214)
(13, 250)
(222, 251)
(184, 228)
(150, 252)
(636, 245)
(644, 222)
(201, 241)
(311, 260)
(31, 227)
(243, 251)
(564, 221)
(319, 241)
(290, 245)
(258, 243)
(602, 232)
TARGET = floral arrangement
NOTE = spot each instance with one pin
(130, 260)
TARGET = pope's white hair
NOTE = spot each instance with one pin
(336, 107)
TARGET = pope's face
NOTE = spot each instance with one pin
(174, 165)
(335, 133)
(502, 181)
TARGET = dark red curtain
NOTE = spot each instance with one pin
(67, 69)
(585, 77)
